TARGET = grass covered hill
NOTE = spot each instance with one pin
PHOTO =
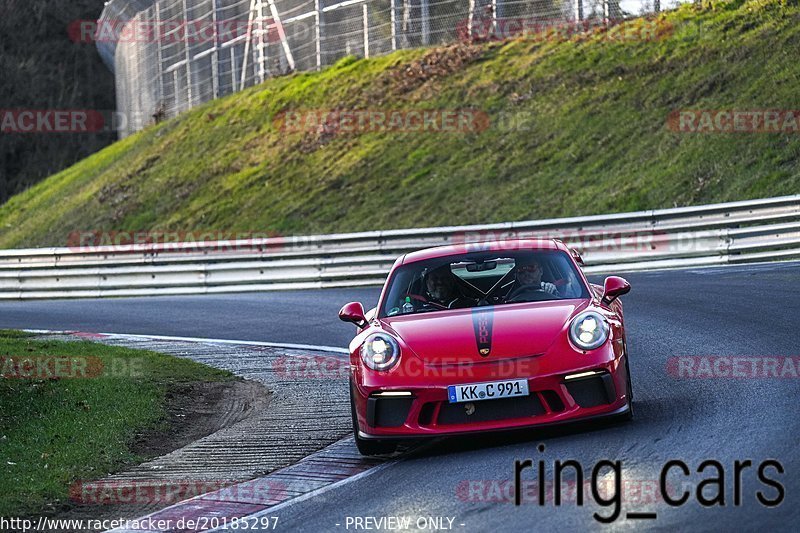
(568, 126)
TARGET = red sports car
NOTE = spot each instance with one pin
(487, 336)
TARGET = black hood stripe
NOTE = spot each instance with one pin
(482, 321)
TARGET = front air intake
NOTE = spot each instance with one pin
(592, 391)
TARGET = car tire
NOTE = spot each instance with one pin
(368, 447)
(629, 413)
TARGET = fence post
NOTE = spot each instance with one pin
(247, 46)
(233, 68)
(188, 56)
(159, 54)
(425, 15)
(470, 20)
(406, 24)
(175, 90)
(393, 14)
(260, 42)
(366, 31)
(276, 19)
(215, 53)
(494, 18)
(318, 32)
(578, 10)
(611, 12)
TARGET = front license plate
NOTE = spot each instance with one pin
(487, 391)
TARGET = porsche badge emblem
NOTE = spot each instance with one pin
(484, 351)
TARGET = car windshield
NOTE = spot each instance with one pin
(480, 279)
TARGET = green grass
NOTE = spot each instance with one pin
(577, 127)
(54, 432)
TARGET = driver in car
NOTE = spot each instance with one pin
(529, 283)
(442, 291)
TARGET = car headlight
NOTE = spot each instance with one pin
(380, 352)
(588, 330)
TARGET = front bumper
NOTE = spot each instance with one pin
(611, 414)
(424, 411)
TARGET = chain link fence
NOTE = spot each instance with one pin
(171, 55)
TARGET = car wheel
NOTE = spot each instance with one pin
(368, 446)
(629, 414)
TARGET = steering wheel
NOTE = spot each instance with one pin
(525, 289)
(519, 290)
(491, 295)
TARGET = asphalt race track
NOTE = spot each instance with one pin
(727, 311)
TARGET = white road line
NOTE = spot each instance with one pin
(287, 346)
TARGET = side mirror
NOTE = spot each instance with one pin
(576, 255)
(354, 313)
(614, 287)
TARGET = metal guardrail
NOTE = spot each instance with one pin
(755, 230)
